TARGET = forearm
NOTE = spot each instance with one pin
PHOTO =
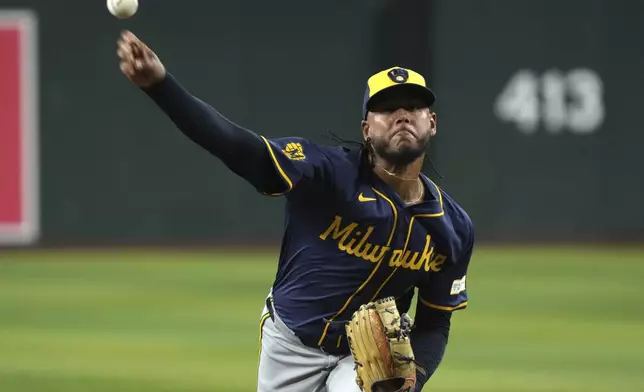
(241, 150)
(429, 341)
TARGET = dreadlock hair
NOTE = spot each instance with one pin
(368, 152)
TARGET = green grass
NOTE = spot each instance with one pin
(540, 319)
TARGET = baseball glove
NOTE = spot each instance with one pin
(379, 340)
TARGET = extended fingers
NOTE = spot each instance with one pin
(137, 61)
(130, 46)
(131, 52)
(128, 36)
(124, 51)
(127, 68)
(141, 51)
(127, 52)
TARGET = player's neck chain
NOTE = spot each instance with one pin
(421, 190)
(394, 174)
(421, 193)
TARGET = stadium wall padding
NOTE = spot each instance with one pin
(538, 112)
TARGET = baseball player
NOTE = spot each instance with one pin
(362, 224)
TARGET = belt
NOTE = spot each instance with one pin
(335, 342)
(269, 306)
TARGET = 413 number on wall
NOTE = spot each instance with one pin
(555, 101)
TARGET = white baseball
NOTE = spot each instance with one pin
(122, 8)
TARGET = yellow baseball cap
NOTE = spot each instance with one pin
(392, 78)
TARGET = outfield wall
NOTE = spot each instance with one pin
(538, 108)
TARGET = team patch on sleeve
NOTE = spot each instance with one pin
(300, 163)
(458, 286)
(294, 151)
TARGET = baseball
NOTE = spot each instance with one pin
(122, 8)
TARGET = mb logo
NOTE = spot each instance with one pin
(398, 75)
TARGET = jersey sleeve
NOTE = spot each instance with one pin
(446, 289)
(299, 164)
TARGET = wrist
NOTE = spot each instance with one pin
(157, 85)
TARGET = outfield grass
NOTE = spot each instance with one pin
(556, 320)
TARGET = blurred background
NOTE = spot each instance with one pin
(131, 260)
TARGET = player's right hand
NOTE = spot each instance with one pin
(138, 62)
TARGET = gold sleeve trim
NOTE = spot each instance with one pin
(439, 307)
(279, 168)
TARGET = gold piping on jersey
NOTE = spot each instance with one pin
(261, 333)
(279, 168)
(411, 222)
(395, 212)
(346, 304)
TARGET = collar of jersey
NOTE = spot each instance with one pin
(431, 205)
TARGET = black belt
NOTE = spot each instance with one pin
(269, 306)
(333, 344)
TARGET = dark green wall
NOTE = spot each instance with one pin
(549, 182)
(115, 170)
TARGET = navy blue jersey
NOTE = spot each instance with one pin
(350, 239)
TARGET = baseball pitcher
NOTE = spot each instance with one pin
(364, 228)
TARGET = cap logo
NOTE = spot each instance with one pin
(398, 75)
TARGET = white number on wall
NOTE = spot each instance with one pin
(555, 101)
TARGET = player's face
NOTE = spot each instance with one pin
(400, 126)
